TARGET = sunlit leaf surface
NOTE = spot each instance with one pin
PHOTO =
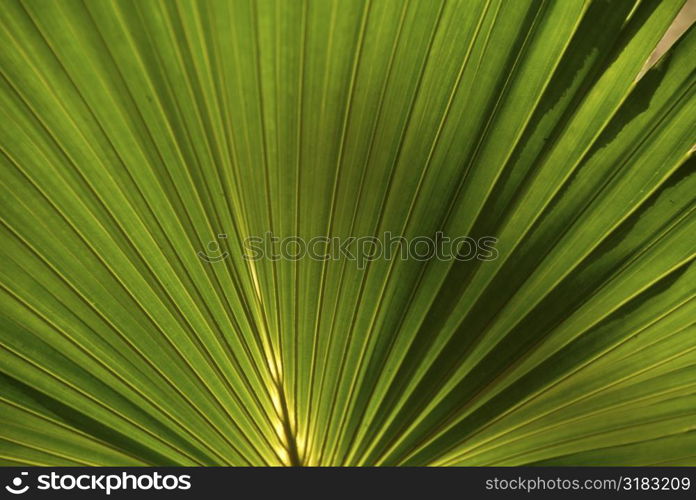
(143, 141)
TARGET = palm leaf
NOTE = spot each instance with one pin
(137, 135)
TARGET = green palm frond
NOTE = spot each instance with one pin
(144, 141)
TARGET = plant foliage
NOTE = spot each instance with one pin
(134, 132)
